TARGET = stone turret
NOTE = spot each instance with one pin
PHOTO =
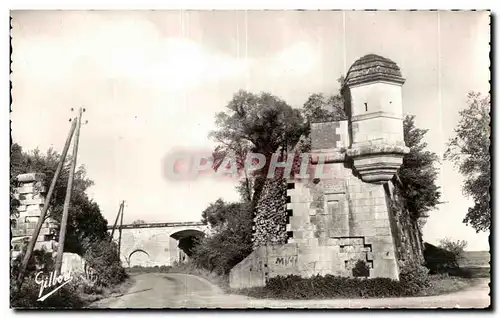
(373, 98)
(347, 215)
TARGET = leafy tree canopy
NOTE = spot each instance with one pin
(232, 240)
(85, 220)
(418, 173)
(469, 150)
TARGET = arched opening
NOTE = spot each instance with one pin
(138, 257)
(187, 240)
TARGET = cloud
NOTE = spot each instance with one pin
(296, 60)
(128, 49)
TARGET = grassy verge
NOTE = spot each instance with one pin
(106, 292)
(445, 284)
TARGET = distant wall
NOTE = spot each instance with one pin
(150, 245)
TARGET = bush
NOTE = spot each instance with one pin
(361, 269)
(231, 240)
(27, 298)
(103, 258)
(439, 260)
(456, 247)
(328, 286)
(413, 280)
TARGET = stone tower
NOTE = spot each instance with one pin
(345, 216)
(373, 99)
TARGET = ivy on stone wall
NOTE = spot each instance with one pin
(270, 218)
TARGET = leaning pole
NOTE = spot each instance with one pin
(41, 219)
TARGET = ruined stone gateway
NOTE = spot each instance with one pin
(327, 225)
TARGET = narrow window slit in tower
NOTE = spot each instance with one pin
(366, 107)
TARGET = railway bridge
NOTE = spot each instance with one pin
(157, 244)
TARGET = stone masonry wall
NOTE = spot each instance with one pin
(331, 223)
(31, 196)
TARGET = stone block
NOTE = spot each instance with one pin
(30, 188)
(383, 231)
(44, 231)
(386, 239)
(388, 255)
(381, 223)
(381, 215)
(26, 213)
(313, 242)
(31, 201)
(30, 177)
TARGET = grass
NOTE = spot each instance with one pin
(444, 284)
(107, 292)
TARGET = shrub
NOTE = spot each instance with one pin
(328, 286)
(413, 278)
(66, 297)
(231, 240)
(456, 247)
(439, 260)
(103, 258)
(361, 269)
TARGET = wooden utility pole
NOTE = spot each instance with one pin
(64, 219)
(120, 209)
(120, 228)
(41, 219)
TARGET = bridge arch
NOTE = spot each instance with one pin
(187, 239)
(161, 243)
(138, 250)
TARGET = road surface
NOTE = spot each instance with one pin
(158, 290)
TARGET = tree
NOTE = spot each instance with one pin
(137, 222)
(261, 124)
(232, 238)
(456, 247)
(319, 108)
(469, 150)
(85, 220)
(417, 175)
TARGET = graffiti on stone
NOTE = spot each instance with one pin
(286, 261)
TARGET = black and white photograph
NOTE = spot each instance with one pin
(250, 159)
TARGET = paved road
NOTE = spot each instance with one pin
(186, 291)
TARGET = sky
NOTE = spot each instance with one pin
(152, 81)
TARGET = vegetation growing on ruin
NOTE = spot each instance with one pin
(418, 174)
